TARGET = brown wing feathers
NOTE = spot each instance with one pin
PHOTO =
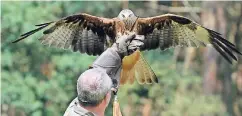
(169, 30)
(81, 32)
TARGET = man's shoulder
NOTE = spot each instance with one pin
(74, 109)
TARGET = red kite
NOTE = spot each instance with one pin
(92, 35)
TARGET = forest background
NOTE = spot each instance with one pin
(41, 81)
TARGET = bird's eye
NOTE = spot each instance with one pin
(130, 15)
(123, 16)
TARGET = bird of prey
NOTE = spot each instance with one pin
(92, 35)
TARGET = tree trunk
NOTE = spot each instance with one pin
(210, 67)
(238, 78)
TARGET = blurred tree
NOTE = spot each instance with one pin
(208, 19)
(37, 80)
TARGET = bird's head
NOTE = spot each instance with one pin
(126, 14)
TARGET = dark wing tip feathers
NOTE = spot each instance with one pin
(44, 24)
(25, 35)
(223, 46)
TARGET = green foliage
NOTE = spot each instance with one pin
(175, 95)
(25, 84)
(40, 80)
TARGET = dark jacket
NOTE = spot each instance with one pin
(74, 109)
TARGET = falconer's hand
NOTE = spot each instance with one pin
(127, 44)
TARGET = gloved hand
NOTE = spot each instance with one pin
(127, 44)
(136, 43)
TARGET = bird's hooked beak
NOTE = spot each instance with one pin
(125, 18)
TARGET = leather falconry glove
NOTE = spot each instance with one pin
(127, 44)
(136, 43)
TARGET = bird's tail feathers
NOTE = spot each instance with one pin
(148, 74)
(135, 66)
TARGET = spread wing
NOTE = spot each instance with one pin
(82, 32)
(166, 31)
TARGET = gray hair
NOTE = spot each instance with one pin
(92, 86)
